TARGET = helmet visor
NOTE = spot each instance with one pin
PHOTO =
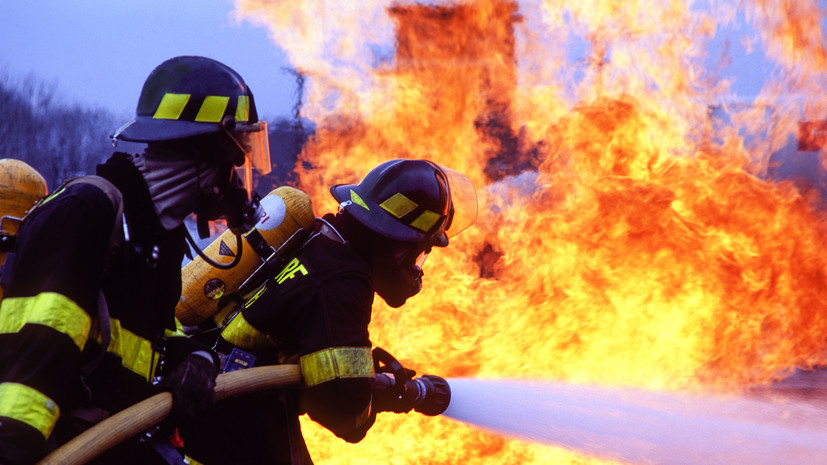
(255, 141)
(464, 200)
(411, 256)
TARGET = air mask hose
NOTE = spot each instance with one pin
(212, 262)
(252, 213)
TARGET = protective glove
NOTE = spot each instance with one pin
(192, 384)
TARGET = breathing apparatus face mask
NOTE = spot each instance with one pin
(237, 149)
(398, 272)
(225, 197)
(396, 265)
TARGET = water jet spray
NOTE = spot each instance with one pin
(636, 426)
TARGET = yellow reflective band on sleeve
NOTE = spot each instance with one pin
(136, 353)
(242, 334)
(335, 363)
(242, 111)
(212, 109)
(398, 205)
(425, 221)
(30, 406)
(171, 106)
(48, 309)
(178, 331)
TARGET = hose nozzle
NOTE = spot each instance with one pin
(396, 390)
(427, 394)
(435, 394)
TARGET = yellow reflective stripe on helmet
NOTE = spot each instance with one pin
(136, 353)
(242, 110)
(242, 334)
(336, 362)
(425, 221)
(398, 205)
(354, 197)
(171, 106)
(48, 309)
(212, 110)
(29, 406)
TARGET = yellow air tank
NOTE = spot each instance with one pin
(21, 186)
(285, 210)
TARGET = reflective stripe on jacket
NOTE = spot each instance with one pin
(49, 328)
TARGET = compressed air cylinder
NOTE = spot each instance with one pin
(285, 210)
(21, 186)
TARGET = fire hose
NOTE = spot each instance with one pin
(148, 413)
(395, 390)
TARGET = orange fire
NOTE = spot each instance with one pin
(624, 236)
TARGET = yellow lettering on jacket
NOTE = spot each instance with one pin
(289, 271)
(254, 297)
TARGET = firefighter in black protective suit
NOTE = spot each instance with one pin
(315, 311)
(87, 323)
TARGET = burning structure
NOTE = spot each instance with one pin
(473, 53)
(622, 240)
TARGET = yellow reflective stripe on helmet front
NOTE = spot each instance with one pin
(48, 309)
(335, 363)
(212, 109)
(398, 205)
(242, 110)
(171, 106)
(242, 334)
(354, 197)
(30, 406)
(425, 221)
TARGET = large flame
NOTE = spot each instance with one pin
(625, 236)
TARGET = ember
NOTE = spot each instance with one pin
(626, 238)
